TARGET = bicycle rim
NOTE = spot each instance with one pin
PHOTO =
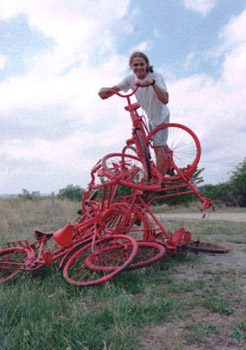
(185, 148)
(131, 150)
(129, 171)
(80, 268)
(123, 219)
(143, 154)
(12, 261)
(205, 247)
(148, 253)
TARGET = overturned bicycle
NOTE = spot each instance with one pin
(118, 232)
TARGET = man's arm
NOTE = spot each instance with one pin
(105, 92)
(160, 92)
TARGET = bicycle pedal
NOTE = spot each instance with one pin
(129, 142)
(138, 222)
(48, 258)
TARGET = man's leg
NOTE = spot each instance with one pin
(161, 156)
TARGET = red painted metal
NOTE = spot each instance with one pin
(64, 236)
(99, 261)
(103, 238)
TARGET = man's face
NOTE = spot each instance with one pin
(139, 67)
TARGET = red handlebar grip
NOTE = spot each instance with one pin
(129, 95)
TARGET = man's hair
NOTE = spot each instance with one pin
(142, 55)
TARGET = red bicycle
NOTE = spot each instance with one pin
(183, 149)
(74, 244)
(125, 212)
(119, 232)
(92, 251)
(135, 168)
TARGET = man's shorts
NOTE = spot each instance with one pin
(161, 136)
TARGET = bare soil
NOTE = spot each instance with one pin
(230, 216)
(224, 276)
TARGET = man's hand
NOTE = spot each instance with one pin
(160, 92)
(146, 83)
(104, 93)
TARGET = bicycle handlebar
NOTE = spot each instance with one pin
(128, 95)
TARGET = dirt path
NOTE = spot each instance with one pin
(238, 217)
(212, 285)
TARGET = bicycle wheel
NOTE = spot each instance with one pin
(129, 170)
(148, 253)
(121, 217)
(131, 150)
(143, 153)
(204, 247)
(183, 148)
(12, 261)
(79, 270)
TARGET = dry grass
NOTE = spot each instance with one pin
(19, 218)
(194, 207)
(192, 302)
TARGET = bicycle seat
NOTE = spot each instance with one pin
(38, 234)
(132, 107)
(64, 236)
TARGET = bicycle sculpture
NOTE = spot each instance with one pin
(119, 232)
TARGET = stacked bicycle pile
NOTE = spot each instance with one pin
(119, 232)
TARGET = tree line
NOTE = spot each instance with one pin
(230, 193)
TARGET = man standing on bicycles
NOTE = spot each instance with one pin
(153, 98)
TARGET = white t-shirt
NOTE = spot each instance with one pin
(156, 111)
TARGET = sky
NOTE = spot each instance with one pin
(56, 55)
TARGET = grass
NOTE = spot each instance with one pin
(194, 303)
(240, 331)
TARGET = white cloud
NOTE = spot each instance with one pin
(77, 28)
(201, 6)
(235, 31)
(65, 75)
(215, 108)
(234, 48)
(66, 80)
(189, 59)
(60, 93)
(3, 60)
(143, 46)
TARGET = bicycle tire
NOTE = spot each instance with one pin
(148, 253)
(12, 261)
(129, 171)
(76, 270)
(143, 153)
(121, 217)
(128, 149)
(185, 147)
(71, 252)
(205, 247)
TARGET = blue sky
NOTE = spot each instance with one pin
(55, 56)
